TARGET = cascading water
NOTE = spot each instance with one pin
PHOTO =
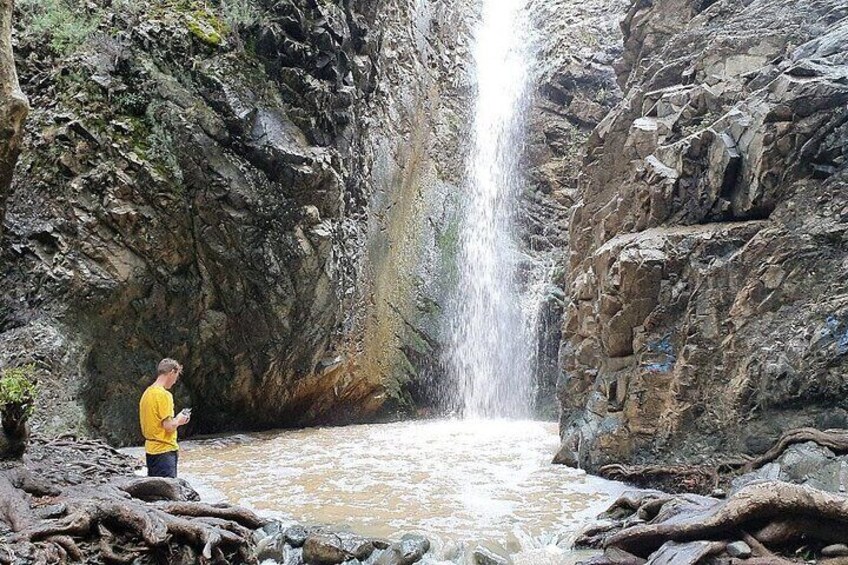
(492, 347)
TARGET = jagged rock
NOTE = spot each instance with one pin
(806, 464)
(293, 556)
(296, 535)
(576, 88)
(209, 190)
(272, 547)
(710, 215)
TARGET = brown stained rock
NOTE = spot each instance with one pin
(216, 205)
(712, 219)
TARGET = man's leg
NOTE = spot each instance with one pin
(162, 464)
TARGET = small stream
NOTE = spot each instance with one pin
(459, 482)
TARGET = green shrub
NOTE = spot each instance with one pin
(239, 13)
(18, 387)
(64, 22)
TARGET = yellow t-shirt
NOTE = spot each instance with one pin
(156, 406)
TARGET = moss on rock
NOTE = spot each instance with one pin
(206, 27)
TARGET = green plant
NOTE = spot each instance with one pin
(129, 7)
(18, 387)
(161, 149)
(132, 103)
(66, 23)
(204, 29)
(239, 13)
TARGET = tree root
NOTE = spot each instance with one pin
(241, 516)
(671, 478)
(704, 479)
(14, 508)
(835, 440)
(778, 513)
(151, 489)
(152, 514)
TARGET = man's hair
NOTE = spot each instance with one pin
(166, 366)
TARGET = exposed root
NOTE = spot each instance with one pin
(69, 546)
(14, 508)
(773, 560)
(704, 479)
(777, 512)
(835, 440)
(125, 519)
(791, 530)
(757, 548)
(241, 516)
(151, 489)
(671, 478)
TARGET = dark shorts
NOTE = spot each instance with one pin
(162, 464)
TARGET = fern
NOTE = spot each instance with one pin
(18, 388)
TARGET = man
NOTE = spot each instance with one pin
(158, 423)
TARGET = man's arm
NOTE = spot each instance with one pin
(171, 424)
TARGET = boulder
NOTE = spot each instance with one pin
(296, 535)
(272, 547)
(334, 548)
(409, 550)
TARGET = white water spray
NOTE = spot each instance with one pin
(492, 346)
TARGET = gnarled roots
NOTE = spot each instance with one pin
(769, 516)
(121, 521)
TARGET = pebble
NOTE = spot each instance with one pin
(739, 549)
(835, 550)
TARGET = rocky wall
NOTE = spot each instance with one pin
(202, 183)
(576, 45)
(706, 308)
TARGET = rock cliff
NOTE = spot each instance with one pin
(267, 190)
(706, 307)
(213, 182)
(576, 87)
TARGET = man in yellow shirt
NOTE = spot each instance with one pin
(158, 423)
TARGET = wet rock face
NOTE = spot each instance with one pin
(576, 45)
(199, 187)
(704, 311)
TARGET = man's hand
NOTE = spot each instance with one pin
(172, 424)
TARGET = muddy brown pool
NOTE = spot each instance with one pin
(459, 482)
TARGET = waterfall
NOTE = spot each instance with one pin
(492, 343)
